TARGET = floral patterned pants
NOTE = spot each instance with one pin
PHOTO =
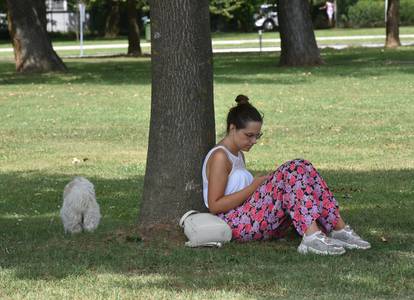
(294, 193)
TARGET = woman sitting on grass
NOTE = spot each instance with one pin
(263, 207)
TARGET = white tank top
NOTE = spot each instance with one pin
(238, 178)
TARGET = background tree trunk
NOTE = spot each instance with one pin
(40, 6)
(134, 45)
(112, 20)
(298, 42)
(33, 49)
(392, 26)
(182, 126)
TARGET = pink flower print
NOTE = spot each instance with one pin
(296, 216)
(257, 236)
(279, 176)
(308, 204)
(253, 214)
(270, 207)
(256, 196)
(236, 233)
(324, 213)
(279, 196)
(269, 187)
(299, 194)
(313, 173)
(310, 181)
(308, 190)
(275, 192)
(259, 216)
(247, 207)
(292, 180)
(263, 225)
(280, 214)
(301, 170)
(248, 228)
(286, 197)
(232, 215)
(292, 166)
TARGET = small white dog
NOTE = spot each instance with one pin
(80, 211)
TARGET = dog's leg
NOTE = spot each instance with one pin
(91, 218)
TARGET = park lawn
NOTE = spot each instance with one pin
(118, 46)
(351, 117)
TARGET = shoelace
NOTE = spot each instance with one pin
(325, 239)
(351, 232)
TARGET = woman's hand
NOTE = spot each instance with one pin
(257, 181)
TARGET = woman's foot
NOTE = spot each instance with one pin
(319, 243)
(347, 238)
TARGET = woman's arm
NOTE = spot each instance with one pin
(218, 170)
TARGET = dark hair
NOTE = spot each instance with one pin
(242, 113)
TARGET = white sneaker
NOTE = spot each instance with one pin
(319, 243)
(347, 238)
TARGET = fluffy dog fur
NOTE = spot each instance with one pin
(80, 211)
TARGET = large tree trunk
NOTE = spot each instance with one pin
(298, 42)
(33, 49)
(182, 127)
(134, 46)
(112, 20)
(392, 26)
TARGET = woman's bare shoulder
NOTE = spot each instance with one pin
(219, 155)
(219, 159)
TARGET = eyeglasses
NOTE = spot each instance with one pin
(252, 135)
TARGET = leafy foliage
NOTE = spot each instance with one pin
(367, 13)
(406, 12)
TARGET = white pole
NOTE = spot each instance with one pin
(386, 11)
(260, 40)
(81, 21)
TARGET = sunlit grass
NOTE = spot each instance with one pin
(351, 117)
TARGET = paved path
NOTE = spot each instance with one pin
(253, 41)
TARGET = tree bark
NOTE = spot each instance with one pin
(182, 126)
(33, 49)
(40, 6)
(392, 26)
(112, 20)
(298, 41)
(134, 45)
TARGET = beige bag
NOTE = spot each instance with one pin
(204, 229)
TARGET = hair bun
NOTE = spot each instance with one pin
(242, 99)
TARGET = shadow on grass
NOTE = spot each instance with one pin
(115, 71)
(228, 68)
(377, 203)
(354, 62)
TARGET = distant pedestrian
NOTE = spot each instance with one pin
(330, 11)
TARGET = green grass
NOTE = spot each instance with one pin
(351, 117)
(252, 41)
